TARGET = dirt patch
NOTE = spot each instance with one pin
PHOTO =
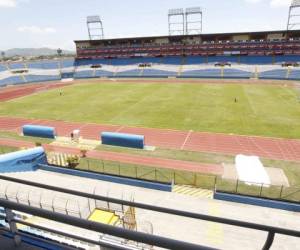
(277, 175)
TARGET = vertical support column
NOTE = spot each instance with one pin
(13, 227)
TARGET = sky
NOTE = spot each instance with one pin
(56, 23)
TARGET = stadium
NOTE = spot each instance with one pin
(184, 141)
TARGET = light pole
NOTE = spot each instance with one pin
(2, 55)
(59, 53)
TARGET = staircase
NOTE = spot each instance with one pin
(116, 71)
(58, 159)
(141, 72)
(193, 191)
(180, 70)
(289, 70)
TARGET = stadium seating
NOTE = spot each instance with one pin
(274, 74)
(16, 66)
(195, 60)
(264, 67)
(294, 75)
(157, 73)
(12, 80)
(44, 65)
(84, 74)
(203, 73)
(176, 60)
(236, 73)
(2, 68)
(129, 73)
(103, 73)
(257, 60)
(67, 63)
(287, 58)
(216, 59)
(41, 78)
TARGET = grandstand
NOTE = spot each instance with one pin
(248, 55)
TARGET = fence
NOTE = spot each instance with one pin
(148, 173)
(199, 180)
(258, 190)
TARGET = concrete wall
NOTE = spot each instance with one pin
(109, 178)
(294, 207)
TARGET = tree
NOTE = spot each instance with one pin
(2, 55)
(59, 52)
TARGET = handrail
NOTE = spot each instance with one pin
(270, 229)
(103, 228)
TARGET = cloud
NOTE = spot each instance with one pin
(273, 3)
(36, 30)
(280, 3)
(253, 1)
(8, 3)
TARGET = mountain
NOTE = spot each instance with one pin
(34, 52)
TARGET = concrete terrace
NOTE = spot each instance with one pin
(195, 231)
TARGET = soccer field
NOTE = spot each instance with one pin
(267, 110)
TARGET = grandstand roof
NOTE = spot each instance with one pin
(254, 33)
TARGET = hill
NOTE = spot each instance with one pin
(34, 52)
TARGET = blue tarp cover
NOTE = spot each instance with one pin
(39, 131)
(123, 140)
(22, 161)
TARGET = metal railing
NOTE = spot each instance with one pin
(212, 182)
(132, 235)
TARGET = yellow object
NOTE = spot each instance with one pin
(193, 191)
(104, 217)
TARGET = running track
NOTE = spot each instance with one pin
(126, 158)
(10, 93)
(272, 148)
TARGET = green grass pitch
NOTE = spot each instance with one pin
(261, 109)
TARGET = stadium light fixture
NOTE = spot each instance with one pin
(295, 3)
(176, 22)
(95, 28)
(294, 15)
(193, 20)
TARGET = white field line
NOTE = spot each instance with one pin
(186, 139)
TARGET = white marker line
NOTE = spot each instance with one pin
(119, 129)
(186, 139)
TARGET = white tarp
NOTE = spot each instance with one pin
(251, 170)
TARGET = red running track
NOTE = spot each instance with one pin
(127, 158)
(272, 148)
(10, 93)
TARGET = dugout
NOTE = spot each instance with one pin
(39, 131)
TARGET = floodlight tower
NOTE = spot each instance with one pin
(176, 22)
(95, 28)
(294, 15)
(193, 21)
